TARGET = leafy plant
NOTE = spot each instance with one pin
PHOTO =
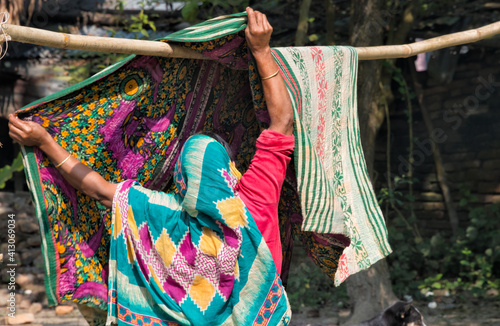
(308, 286)
(192, 7)
(468, 263)
(89, 63)
(140, 24)
(7, 171)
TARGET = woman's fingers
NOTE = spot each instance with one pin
(24, 126)
(15, 133)
(257, 21)
(13, 129)
(251, 17)
(258, 31)
(26, 132)
(258, 18)
(267, 25)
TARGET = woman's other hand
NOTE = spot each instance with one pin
(258, 32)
(27, 133)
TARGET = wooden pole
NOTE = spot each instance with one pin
(433, 44)
(94, 43)
(163, 49)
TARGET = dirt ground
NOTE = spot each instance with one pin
(485, 313)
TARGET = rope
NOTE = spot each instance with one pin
(4, 18)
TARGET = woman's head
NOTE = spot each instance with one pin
(220, 140)
(204, 172)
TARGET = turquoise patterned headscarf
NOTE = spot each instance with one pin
(194, 258)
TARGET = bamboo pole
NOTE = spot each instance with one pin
(162, 49)
(94, 43)
(433, 44)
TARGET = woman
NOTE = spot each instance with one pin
(196, 257)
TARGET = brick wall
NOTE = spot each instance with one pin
(465, 114)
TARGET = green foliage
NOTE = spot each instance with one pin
(140, 24)
(91, 63)
(469, 263)
(394, 195)
(308, 286)
(406, 259)
(399, 79)
(7, 171)
(120, 5)
(192, 8)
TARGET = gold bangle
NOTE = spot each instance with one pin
(269, 77)
(64, 161)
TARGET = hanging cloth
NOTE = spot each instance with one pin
(131, 120)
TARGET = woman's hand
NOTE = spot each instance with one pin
(27, 133)
(89, 182)
(258, 32)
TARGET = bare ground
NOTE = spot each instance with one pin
(479, 313)
(484, 312)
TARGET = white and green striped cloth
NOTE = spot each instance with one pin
(335, 192)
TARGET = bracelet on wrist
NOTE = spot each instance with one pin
(63, 161)
(271, 76)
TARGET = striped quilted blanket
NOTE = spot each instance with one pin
(335, 192)
(130, 121)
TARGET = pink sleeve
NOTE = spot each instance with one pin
(260, 186)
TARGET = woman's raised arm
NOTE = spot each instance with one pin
(81, 177)
(258, 33)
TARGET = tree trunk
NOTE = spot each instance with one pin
(370, 291)
(436, 153)
(330, 10)
(301, 34)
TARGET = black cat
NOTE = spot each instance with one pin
(399, 314)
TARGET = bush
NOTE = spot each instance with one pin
(469, 262)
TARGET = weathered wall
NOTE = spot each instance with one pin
(465, 115)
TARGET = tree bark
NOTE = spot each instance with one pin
(370, 291)
(330, 10)
(301, 34)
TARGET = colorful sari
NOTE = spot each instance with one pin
(131, 120)
(194, 258)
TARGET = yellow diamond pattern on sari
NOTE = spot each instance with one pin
(233, 212)
(130, 251)
(202, 292)
(131, 223)
(117, 227)
(210, 243)
(165, 248)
